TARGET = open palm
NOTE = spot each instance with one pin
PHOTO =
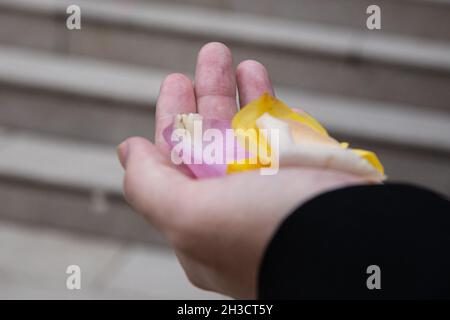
(218, 227)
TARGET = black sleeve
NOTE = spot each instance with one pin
(323, 249)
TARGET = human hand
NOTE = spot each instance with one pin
(218, 227)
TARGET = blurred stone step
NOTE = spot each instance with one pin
(63, 184)
(79, 98)
(34, 260)
(66, 184)
(333, 60)
(92, 100)
(85, 99)
(419, 18)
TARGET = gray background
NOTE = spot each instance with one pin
(67, 98)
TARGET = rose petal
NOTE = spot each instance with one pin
(197, 163)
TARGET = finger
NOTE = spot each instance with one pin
(215, 82)
(151, 187)
(252, 81)
(176, 96)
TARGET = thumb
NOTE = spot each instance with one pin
(151, 186)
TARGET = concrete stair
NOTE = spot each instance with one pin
(323, 58)
(66, 184)
(418, 18)
(34, 259)
(68, 97)
(106, 103)
(79, 98)
(97, 102)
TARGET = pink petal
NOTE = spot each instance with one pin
(203, 170)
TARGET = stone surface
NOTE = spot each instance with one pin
(67, 98)
(336, 60)
(98, 102)
(414, 18)
(69, 184)
(142, 272)
(33, 263)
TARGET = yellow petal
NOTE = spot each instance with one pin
(371, 157)
(247, 116)
(302, 134)
(249, 164)
(246, 119)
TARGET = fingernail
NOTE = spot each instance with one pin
(122, 151)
